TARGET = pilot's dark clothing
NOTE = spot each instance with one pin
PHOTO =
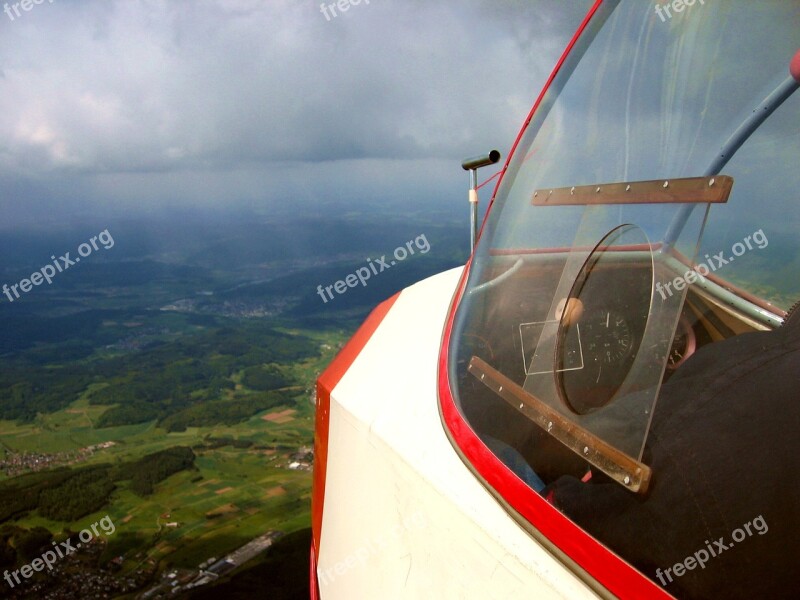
(724, 450)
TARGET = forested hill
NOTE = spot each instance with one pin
(187, 382)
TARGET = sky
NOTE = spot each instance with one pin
(127, 106)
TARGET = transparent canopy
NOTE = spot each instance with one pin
(649, 213)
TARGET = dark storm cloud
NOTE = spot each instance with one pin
(134, 102)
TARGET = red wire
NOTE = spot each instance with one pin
(490, 178)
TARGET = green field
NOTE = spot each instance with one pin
(232, 496)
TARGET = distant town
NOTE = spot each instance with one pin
(77, 576)
(178, 580)
(14, 463)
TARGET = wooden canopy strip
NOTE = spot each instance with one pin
(628, 472)
(700, 190)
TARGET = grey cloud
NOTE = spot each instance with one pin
(96, 88)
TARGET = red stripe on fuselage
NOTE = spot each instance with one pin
(325, 385)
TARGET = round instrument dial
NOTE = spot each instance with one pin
(606, 337)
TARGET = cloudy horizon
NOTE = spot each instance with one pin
(125, 106)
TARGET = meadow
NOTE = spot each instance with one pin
(233, 494)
